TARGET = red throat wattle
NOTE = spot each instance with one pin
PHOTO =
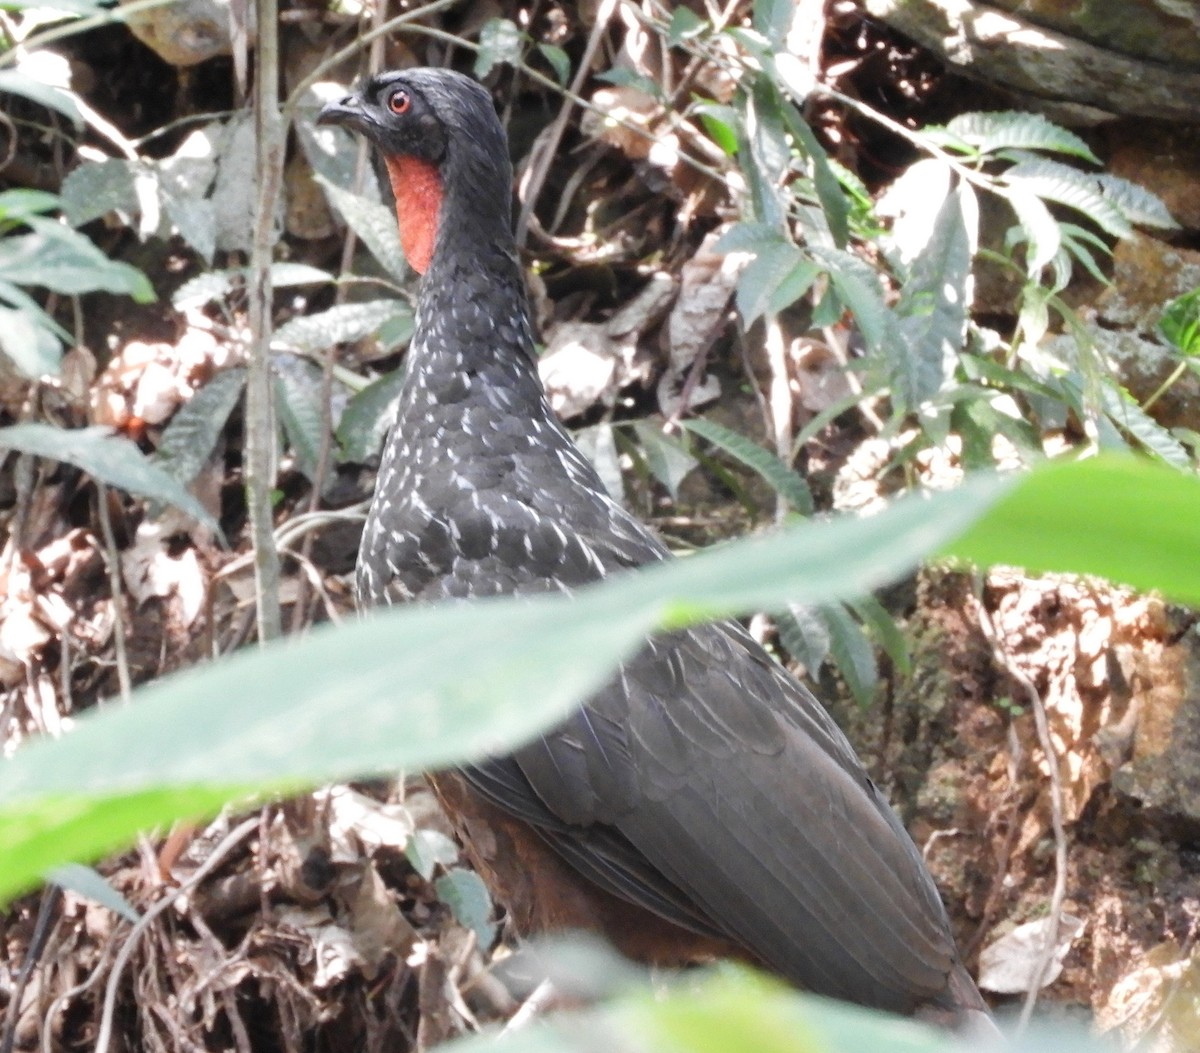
(417, 185)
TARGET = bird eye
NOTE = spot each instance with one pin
(399, 101)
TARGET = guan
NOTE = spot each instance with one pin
(702, 803)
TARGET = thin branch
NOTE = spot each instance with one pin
(112, 561)
(260, 427)
(1050, 944)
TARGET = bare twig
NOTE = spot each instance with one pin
(1038, 708)
(47, 914)
(112, 562)
(549, 148)
(227, 844)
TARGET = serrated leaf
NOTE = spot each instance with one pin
(749, 237)
(216, 285)
(1012, 129)
(58, 258)
(96, 188)
(191, 436)
(1137, 203)
(559, 61)
(340, 324)
(374, 224)
(501, 42)
(803, 632)
(934, 303)
(762, 277)
(298, 403)
(857, 285)
(785, 481)
(1131, 418)
(367, 417)
(767, 157)
(108, 458)
(34, 350)
(88, 883)
(1068, 186)
(464, 892)
(15, 82)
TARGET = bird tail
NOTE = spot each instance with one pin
(963, 1010)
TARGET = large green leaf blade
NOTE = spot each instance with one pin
(1119, 517)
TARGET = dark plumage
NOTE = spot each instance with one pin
(703, 784)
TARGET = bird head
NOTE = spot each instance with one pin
(444, 150)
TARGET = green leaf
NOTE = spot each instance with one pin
(107, 458)
(934, 303)
(1137, 203)
(428, 849)
(32, 348)
(750, 237)
(91, 885)
(191, 436)
(778, 271)
(852, 652)
(786, 482)
(501, 42)
(666, 458)
(857, 284)
(1180, 323)
(1040, 228)
(298, 402)
(18, 203)
(63, 260)
(1127, 415)
(804, 633)
(559, 61)
(622, 77)
(773, 19)
(367, 417)
(431, 685)
(464, 892)
(1068, 186)
(96, 188)
(882, 626)
(340, 324)
(375, 225)
(829, 189)
(1142, 517)
(720, 122)
(445, 684)
(15, 82)
(1011, 129)
(684, 25)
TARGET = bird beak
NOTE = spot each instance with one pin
(347, 110)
